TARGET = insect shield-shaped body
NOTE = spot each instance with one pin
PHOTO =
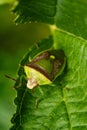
(45, 68)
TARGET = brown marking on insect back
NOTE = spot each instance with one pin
(38, 68)
(56, 66)
(45, 55)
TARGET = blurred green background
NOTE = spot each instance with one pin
(15, 41)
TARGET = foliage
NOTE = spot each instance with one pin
(63, 104)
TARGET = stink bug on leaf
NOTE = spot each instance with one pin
(45, 68)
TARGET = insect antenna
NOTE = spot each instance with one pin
(9, 77)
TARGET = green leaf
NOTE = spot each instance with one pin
(75, 80)
(36, 10)
(61, 105)
(70, 15)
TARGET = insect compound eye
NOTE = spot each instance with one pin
(45, 67)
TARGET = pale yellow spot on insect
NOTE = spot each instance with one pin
(32, 83)
(52, 57)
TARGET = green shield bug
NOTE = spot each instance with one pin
(45, 68)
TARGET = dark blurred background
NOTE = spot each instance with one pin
(15, 41)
